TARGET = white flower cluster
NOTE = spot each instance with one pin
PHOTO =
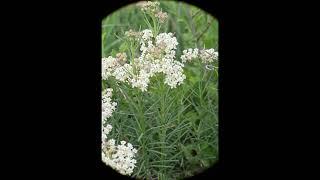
(157, 56)
(148, 6)
(174, 73)
(167, 41)
(189, 55)
(146, 35)
(123, 73)
(119, 157)
(154, 9)
(108, 65)
(208, 55)
(162, 16)
(107, 109)
(205, 55)
(107, 106)
(105, 131)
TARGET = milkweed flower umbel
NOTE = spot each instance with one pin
(107, 105)
(153, 8)
(162, 16)
(107, 66)
(189, 55)
(120, 157)
(157, 56)
(208, 55)
(205, 55)
(148, 6)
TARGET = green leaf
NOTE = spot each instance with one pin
(180, 20)
(113, 53)
(123, 47)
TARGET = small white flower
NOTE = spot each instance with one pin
(147, 35)
(107, 66)
(129, 145)
(205, 55)
(141, 81)
(121, 158)
(134, 151)
(208, 55)
(107, 106)
(174, 73)
(111, 142)
(168, 40)
(189, 55)
(148, 6)
(120, 74)
(162, 16)
(106, 130)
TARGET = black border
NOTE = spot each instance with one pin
(51, 89)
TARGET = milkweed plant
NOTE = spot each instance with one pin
(158, 119)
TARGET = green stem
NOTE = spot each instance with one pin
(155, 28)
(162, 120)
(200, 82)
(142, 122)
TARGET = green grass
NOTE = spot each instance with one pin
(174, 130)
